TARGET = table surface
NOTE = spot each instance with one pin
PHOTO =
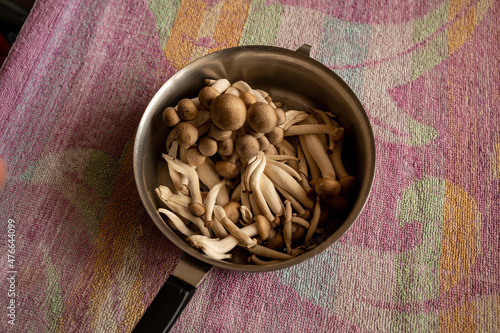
(423, 256)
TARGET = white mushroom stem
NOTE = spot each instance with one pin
(288, 183)
(221, 85)
(315, 148)
(271, 195)
(245, 199)
(217, 228)
(177, 222)
(174, 175)
(303, 171)
(190, 173)
(242, 86)
(311, 129)
(336, 159)
(300, 221)
(281, 158)
(295, 204)
(232, 228)
(253, 204)
(251, 166)
(293, 117)
(209, 176)
(179, 199)
(170, 139)
(327, 121)
(219, 248)
(287, 227)
(286, 168)
(288, 148)
(259, 97)
(314, 223)
(271, 150)
(203, 118)
(236, 193)
(246, 214)
(210, 200)
(233, 91)
(314, 170)
(256, 189)
(185, 213)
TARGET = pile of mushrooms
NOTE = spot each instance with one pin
(269, 175)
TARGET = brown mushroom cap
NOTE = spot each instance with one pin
(327, 188)
(297, 232)
(207, 95)
(170, 117)
(262, 117)
(247, 146)
(187, 110)
(349, 186)
(207, 146)
(263, 143)
(194, 157)
(338, 203)
(196, 208)
(276, 242)
(186, 134)
(226, 147)
(228, 112)
(219, 134)
(248, 98)
(275, 136)
(232, 209)
(280, 114)
(227, 169)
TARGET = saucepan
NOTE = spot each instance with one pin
(298, 82)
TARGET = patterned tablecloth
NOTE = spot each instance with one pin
(423, 256)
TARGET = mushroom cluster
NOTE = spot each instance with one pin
(271, 177)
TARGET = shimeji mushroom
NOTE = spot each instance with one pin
(293, 117)
(209, 176)
(196, 206)
(303, 170)
(232, 91)
(311, 129)
(221, 85)
(211, 199)
(228, 112)
(220, 213)
(275, 137)
(171, 117)
(280, 114)
(287, 227)
(194, 157)
(186, 109)
(246, 146)
(263, 143)
(232, 209)
(304, 213)
(207, 146)
(218, 248)
(228, 168)
(286, 168)
(177, 222)
(183, 211)
(289, 184)
(219, 134)
(248, 98)
(261, 117)
(226, 147)
(207, 95)
(348, 183)
(256, 188)
(327, 121)
(185, 134)
(326, 187)
(314, 223)
(246, 215)
(271, 195)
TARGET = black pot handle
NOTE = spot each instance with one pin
(173, 296)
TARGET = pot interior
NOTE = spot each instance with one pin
(290, 77)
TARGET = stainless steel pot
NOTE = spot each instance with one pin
(294, 79)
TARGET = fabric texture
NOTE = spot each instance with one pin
(424, 256)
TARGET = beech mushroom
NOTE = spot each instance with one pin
(186, 134)
(263, 143)
(219, 134)
(171, 117)
(311, 129)
(287, 227)
(314, 223)
(232, 228)
(228, 168)
(263, 227)
(177, 222)
(209, 176)
(275, 137)
(207, 146)
(196, 207)
(248, 98)
(186, 109)
(247, 146)
(226, 147)
(221, 85)
(228, 112)
(232, 209)
(271, 195)
(348, 183)
(256, 189)
(280, 115)
(207, 95)
(194, 157)
(262, 117)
